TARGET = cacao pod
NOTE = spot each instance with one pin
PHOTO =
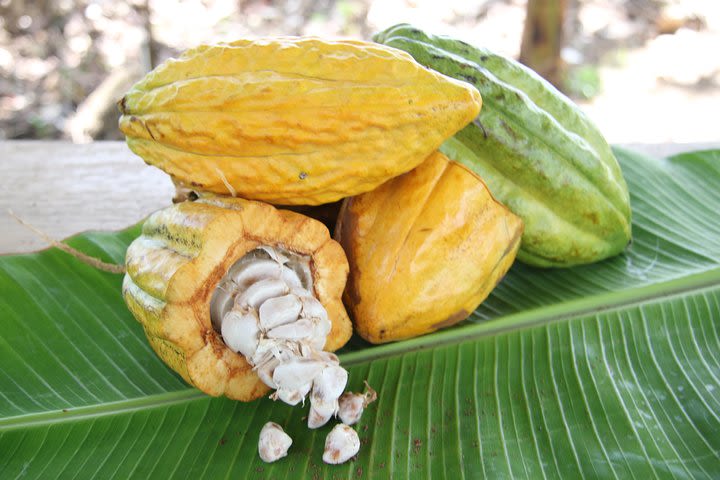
(176, 265)
(292, 121)
(424, 249)
(536, 150)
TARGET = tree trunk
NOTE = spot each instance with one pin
(543, 37)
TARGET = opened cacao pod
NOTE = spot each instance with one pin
(292, 121)
(189, 252)
(425, 249)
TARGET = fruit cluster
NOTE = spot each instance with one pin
(438, 199)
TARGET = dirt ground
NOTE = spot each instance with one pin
(646, 71)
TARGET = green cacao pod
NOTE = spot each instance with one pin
(536, 150)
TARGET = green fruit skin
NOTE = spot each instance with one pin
(536, 150)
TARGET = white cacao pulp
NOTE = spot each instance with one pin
(273, 443)
(341, 444)
(265, 309)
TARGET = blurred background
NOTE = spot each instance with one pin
(646, 71)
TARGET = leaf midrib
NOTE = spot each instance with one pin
(101, 409)
(604, 302)
(545, 315)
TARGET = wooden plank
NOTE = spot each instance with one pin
(63, 188)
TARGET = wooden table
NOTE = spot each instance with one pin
(62, 188)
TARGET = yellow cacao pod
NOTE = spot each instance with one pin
(292, 121)
(425, 249)
(176, 265)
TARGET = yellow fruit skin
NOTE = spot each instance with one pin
(292, 121)
(425, 249)
(183, 253)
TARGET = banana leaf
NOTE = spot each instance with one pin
(609, 370)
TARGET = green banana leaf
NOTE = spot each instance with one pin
(605, 371)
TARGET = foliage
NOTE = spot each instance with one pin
(610, 370)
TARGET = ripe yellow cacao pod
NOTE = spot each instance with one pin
(292, 121)
(425, 249)
(175, 267)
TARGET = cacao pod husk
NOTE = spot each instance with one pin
(425, 249)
